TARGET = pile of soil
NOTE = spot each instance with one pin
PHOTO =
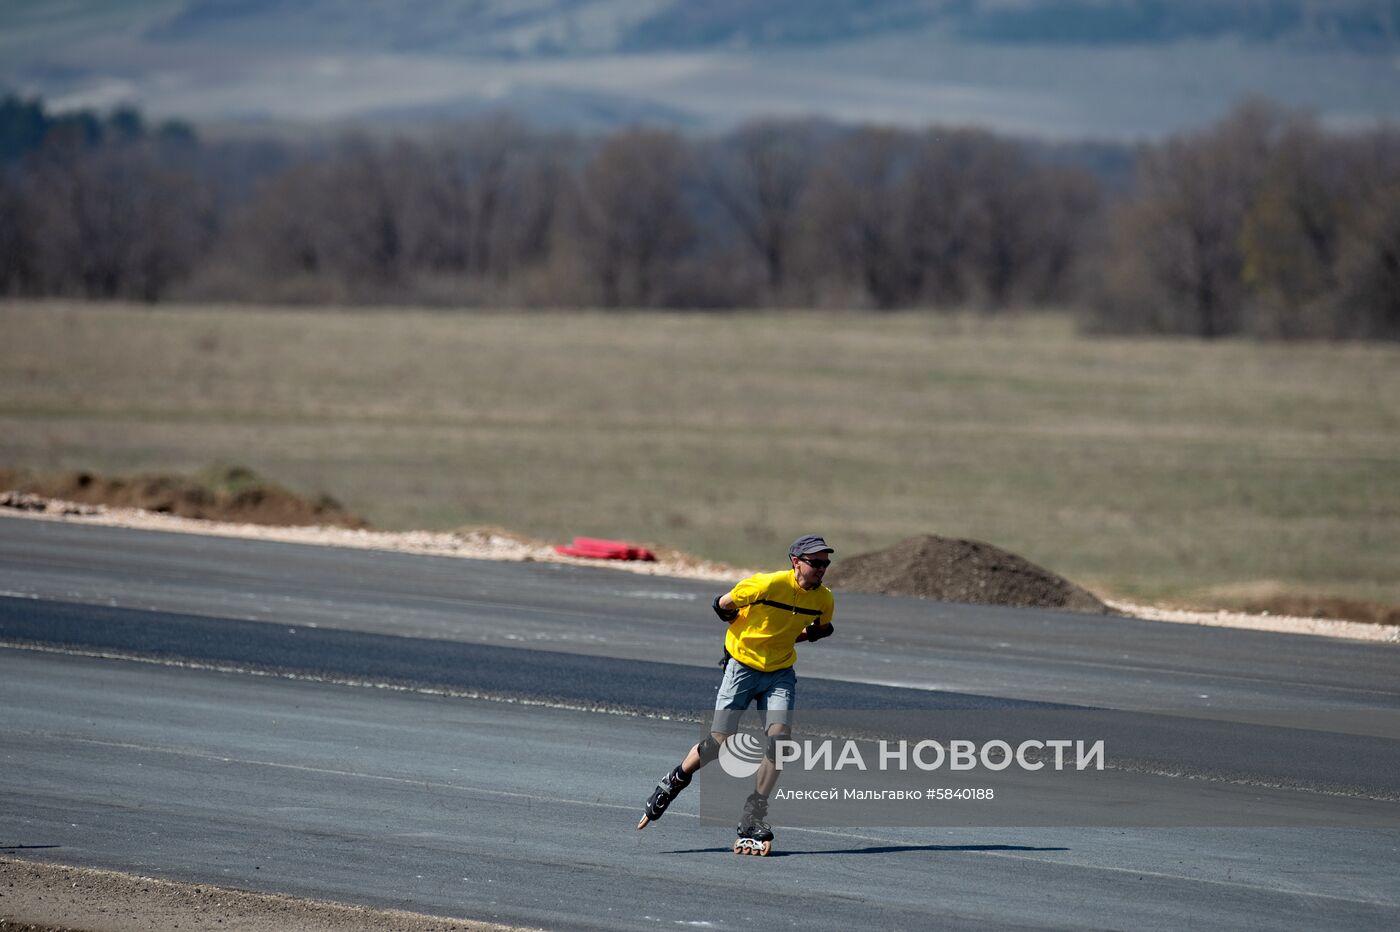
(931, 567)
(232, 493)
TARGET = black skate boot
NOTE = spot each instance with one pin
(755, 834)
(668, 789)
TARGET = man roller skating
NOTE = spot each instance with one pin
(768, 615)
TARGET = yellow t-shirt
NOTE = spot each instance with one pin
(773, 610)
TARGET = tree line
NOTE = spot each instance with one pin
(1264, 224)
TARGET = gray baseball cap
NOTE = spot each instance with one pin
(812, 543)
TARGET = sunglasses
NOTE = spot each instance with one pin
(818, 564)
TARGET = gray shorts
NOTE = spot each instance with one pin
(774, 694)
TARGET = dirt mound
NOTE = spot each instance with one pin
(220, 493)
(931, 567)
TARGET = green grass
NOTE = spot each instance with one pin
(1156, 469)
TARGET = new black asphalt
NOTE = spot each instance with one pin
(125, 746)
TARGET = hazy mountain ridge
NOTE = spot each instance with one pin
(580, 27)
(1361, 25)
(507, 28)
(1370, 25)
(1062, 69)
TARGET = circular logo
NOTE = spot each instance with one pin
(741, 755)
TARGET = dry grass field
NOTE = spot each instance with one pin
(1203, 473)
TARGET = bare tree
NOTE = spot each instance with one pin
(1175, 262)
(852, 215)
(629, 224)
(938, 216)
(1064, 223)
(363, 209)
(1292, 231)
(457, 208)
(759, 175)
(329, 228)
(17, 274)
(1368, 297)
(1005, 200)
(275, 242)
(113, 221)
(519, 198)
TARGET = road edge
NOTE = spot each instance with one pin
(504, 546)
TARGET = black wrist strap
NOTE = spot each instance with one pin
(725, 616)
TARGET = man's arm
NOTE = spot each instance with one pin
(816, 631)
(725, 608)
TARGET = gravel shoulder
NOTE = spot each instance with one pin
(38, 897)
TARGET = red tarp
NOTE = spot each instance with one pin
(598, 549)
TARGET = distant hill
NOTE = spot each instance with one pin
(1362, 25)
(461, 27)
(1054, 68)
(576, 27)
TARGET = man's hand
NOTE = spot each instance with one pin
(726, 615)
(816, 631)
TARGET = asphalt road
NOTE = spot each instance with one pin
(298, 720)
